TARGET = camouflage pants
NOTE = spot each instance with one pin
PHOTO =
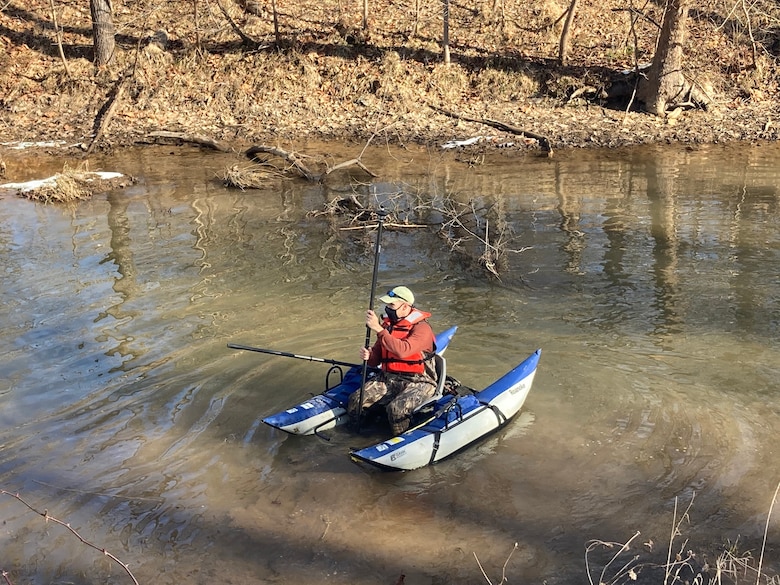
(400, 395)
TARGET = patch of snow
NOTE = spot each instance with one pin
(52, 181)
(30, 185)
(466, 142)
(24, 145)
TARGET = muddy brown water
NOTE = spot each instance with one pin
(649, 278)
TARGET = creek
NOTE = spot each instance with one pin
(649, 277)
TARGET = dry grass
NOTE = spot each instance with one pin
(65, 189)
(71, 186)
(627, 563)
(320, 82)
(250, 176)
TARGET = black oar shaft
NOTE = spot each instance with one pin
(292, 355)
(377, 248)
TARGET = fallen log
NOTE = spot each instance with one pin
(192, 138)
(291, 157)
(544, 142)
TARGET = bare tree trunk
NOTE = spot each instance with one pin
(59, 37)
(446, 34)
(416, 26)
(197, 24)
(563, 46)
(365, 14)
(665, 80)
(102, 31)
(276, 23)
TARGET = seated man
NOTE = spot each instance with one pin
(404, 348)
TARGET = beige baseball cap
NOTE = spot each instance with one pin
(399, 293)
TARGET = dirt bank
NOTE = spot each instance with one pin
(326, 78)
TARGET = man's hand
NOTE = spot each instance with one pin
(365, 353)
(372, 321)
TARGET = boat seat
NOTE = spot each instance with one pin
(440, 365)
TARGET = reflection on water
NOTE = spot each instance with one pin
(649, 278)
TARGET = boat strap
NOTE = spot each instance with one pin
(500, 416)
(436, 438)
(497, 411)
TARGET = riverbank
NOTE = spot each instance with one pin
(324, 78)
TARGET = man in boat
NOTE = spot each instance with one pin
(404, 349)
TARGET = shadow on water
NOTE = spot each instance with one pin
(649, 279)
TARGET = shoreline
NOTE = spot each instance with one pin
(603, 128)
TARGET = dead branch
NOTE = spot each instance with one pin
(191, 138)
(503, 569)
(553, 24)
(291, 157)
(478, 235)
(49, 518)
(295, 161)
(638, 14)
(544, 142)
(349, 163)
(247, 40)
(386, 225)
(107, 112)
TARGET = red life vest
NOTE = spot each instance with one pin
(415, 363)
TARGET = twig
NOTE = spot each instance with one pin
(506, 562)
(483, 570)
(244, 37)
(59, 36)
(503, 569)
(48, 518)
(327, 526)
(671, 540)
(387, 225)
(675, 532)
(622, 548)
(766, 529)
(639, 13)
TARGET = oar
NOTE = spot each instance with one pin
(292, 355)
(381, 214)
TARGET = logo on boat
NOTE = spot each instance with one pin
(516, 389)
(389, 443)
(397, 454)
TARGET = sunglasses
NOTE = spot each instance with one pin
(392, 294)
